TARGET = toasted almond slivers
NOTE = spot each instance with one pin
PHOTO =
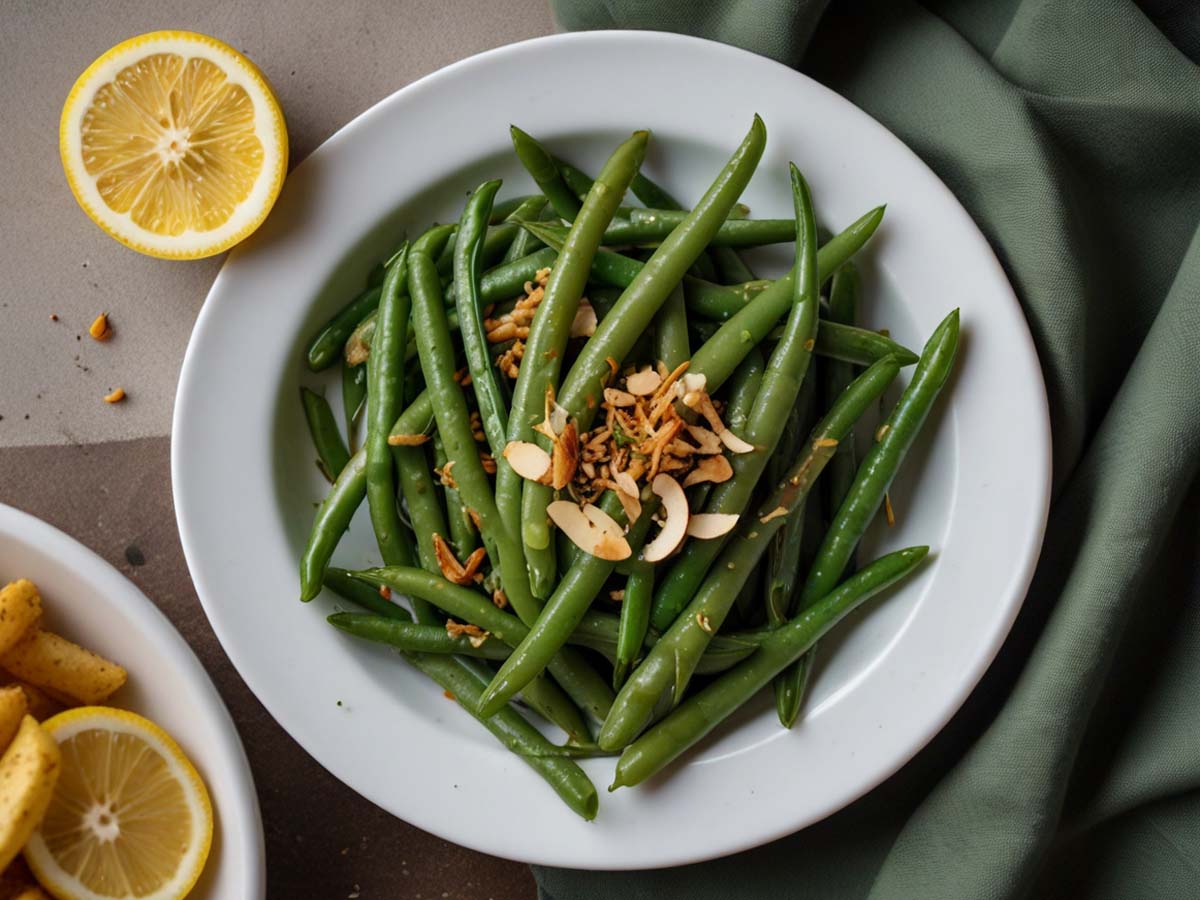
(642, 383)
(590, 529)
(565, 458)
(407, 440)
(618, 398)
(707, 526)
(584, 323)
(692, 383)
(675, 508)
(712, 468)
(773, 514)
(528, 460)
(706, 440)
(735, 443)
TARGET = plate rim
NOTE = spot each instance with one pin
(1030, 550)
(119, 592)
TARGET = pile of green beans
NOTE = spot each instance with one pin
(475, 586)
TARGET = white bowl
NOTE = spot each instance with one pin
(87, 600)
(976, 487)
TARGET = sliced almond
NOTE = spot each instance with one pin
(735, 443)
(590, 529)
(773, 514)
(528, 460)
(452, 569)
(626, 483)
(584, 323)
(712, 468)
(693, 382)
(565, 457)
(618, 398)
(675, 509)
(707, 526)
(706, 440)
(647, 381)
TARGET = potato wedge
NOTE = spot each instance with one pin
(29, 770)
(13, 708)
(39, 704)
(20, 609)
(57, 665)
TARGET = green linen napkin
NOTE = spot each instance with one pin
(1070, 130)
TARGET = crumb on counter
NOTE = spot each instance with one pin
(100, 329)
(116, 396)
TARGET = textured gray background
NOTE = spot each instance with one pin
(100, 472)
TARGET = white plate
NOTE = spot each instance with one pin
(245, 483)
(90, 602)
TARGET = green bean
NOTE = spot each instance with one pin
(665, 671)
(618, 270)
(857, 346)
(453, 422)
(635, 620)
(743, 388)
(731, 268)
(650, 226)
(546, 346)
(384, 405)
(465, 683)
(579, 182)
(791, 684)
(702, 712)
(524, 243)
(882, 461)
(563, 774)
(657, 279)
(776, 397)
(717, 301)
(425, 513)
(671, 345)
(413, 638)
(346, 586)
(749, 325)
(466, 604)
(332, 454)
(687, 573)
(505, 208)
(323, 350)
(600, 631)
(463, 535)
(331, 521)
(354, 398)
(493, 411)
(554, 624)
(540, 164)
(783, 556)
(843, 310)
(348, 492)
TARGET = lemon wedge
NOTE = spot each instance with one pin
(130, 816)
(174, 144)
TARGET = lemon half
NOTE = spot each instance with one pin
(174, 144)
(130, 816)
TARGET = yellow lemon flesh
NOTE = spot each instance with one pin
(173, 143)
(130, 816)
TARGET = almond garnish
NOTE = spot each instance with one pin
(734, 443)
(619, 398)
(452, 569)
(675, 509)
(712, 468)
(773, 514)
(707, 441)
(642, 383)
(590, 529)
(527, 459)
(584, 323)
(407, 440)
(706, 526)
(565, 457)
(473, 633)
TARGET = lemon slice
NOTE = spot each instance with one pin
(130, 816)
(174, 144)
